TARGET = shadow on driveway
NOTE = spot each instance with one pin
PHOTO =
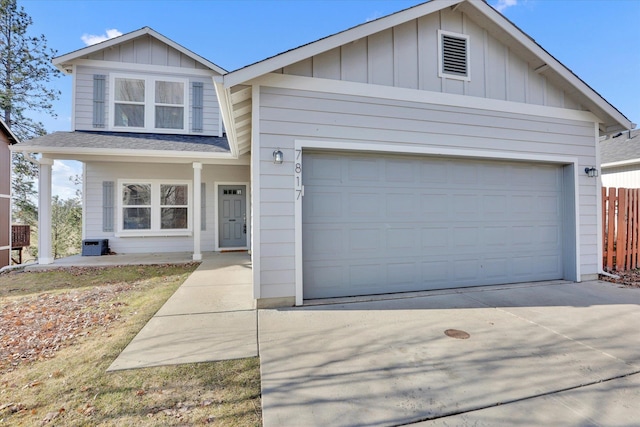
(390, 363)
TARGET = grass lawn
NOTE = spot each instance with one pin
(61, 329)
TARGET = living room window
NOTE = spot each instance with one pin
(154, 207)
(148, 103)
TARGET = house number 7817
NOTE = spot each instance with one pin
(299, 189)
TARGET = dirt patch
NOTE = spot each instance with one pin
(627, 278)
(36, 327)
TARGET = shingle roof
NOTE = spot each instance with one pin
(625, 146)
(128, 141)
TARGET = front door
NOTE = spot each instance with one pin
(232, 216)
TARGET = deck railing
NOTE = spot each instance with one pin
(20, 239)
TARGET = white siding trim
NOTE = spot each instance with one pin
(598, 201)
(216, 205)
(73, 97)
(197, 211)
(620, 163)
(301, 144)
(226, 109)
(255, 191)
(84, 200)
(2, 248)
(144, 68)
(77, 151)
(422, 96)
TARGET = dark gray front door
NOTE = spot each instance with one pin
(232, 216)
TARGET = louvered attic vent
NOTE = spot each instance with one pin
(454, 55)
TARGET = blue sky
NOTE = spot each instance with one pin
(597, 39)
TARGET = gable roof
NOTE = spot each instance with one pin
(620, 149)
(63, 62)
(11, 137)
(494, 22)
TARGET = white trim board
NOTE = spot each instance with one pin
(314, 84)
(197, 155)
(620, 163)
(216, 205)
(256, 252)
(301, 144)
(144, 68)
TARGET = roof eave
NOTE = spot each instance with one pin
(620, 120)
(13, 139)
(25, 148)
(62, 62)
(292, 56)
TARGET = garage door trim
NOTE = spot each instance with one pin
(571, 245)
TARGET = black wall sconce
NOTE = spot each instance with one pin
(278, 157)
(591, 172)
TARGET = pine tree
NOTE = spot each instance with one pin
(25, 76)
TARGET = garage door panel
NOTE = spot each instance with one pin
(363, 205)
(406, 223)
(365, 170)
(365, 275)
(433, 172)
(365, 240)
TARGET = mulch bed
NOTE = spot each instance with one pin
(36, 327)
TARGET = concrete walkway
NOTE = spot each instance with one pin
(210, 317)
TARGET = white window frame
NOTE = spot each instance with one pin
(156, 209)
(441, 72)
(149, 103)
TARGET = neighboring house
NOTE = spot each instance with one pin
(620, 159)
(438, 147)
(7, 138)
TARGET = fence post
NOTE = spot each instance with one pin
(621, 229)
(611, 226)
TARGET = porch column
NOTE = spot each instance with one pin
(197, 210)
(44, 212)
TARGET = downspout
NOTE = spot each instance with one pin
(604, 273)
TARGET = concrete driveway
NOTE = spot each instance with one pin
(552, 353)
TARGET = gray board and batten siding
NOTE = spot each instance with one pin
(406, 56)
(287, 116)
(158, 59)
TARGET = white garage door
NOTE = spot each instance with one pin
(377, 224)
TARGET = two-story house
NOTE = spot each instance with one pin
(438, 147)
(148, 129)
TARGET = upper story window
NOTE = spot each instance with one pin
(149, 103)
(453, 58)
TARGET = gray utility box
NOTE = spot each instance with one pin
(95, 247)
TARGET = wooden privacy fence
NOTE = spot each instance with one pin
(620, 220)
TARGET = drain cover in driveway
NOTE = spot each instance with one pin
(456, 333)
